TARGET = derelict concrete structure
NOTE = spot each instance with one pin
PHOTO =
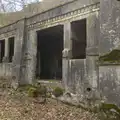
(89, 33)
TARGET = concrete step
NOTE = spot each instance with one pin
(51, 84)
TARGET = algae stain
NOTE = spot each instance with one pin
(112, 57)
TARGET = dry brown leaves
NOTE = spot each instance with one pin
(20, 107)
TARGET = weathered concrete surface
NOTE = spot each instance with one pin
(42, 7)
(92, 73)
(91, 86)
(109, 77)
(61, 10)
(29, 58)
(5, 69)
(93, 34)
(45, 5)
(110, 26)
(8, 18)
(77, 76)
(29, 10)
(66, 53)
(17, 59)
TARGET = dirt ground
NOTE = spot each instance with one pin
(17, 106)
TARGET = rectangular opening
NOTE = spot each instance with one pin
(79, 39)
(11, 48)
(49, 53)
(2, 50)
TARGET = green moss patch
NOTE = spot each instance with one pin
(38, 90)
(109, 112)
(112, 57)
(33, 92)
(57, 92)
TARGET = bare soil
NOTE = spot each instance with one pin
(18, 106)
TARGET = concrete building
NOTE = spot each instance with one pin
(76, 41)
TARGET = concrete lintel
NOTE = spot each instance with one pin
(92, 51)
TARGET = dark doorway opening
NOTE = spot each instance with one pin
(11, 48)
(2, 50)
(49, 53)
(79, 39)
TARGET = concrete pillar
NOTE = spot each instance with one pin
(16, 64)
(93, 31)
(5, 59)
(67, 53)
(30, 58)
(6, 55)
(109, 41)
(6, 48)
(67, 36)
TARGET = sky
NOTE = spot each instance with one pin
(10, 6)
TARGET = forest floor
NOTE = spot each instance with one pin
(18, 106)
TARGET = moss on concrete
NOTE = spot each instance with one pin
(57, 92)
(112, 57)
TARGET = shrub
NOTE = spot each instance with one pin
(48, 95)
(33, 92)
(42, 90)
(58, 92)
(37, 90)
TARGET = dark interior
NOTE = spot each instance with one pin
(79, 39)
(49, 53)
(2, 49)
(11, 48)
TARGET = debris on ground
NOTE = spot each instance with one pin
(16, 105)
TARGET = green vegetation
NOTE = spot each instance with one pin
(37, 90)
(33, 92)
(109, 112)
(58, 92)
(112, 57)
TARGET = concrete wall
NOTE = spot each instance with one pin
(6, 66)
(30, 10)
(109, 77)
(42, 7)
(35, 8)
(75, 71)
(110, 25)
(5, 69)
(9, 18)
(77, 76)
(18, 54)
(60, 10)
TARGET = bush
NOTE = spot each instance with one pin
(33, 92)
(58, 92)
(42, 90)
(37, 90)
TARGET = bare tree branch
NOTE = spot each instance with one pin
(14, 5)
(2, 6)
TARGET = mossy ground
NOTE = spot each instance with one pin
(109, 112)
(57, 92)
